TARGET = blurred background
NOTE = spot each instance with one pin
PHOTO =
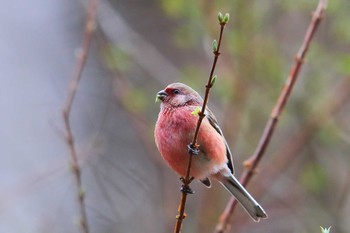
(138, 48)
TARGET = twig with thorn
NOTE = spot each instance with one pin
(74, 83)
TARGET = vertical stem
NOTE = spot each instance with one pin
(188, 179)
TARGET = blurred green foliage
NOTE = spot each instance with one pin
(325, 230)
(115, 58)
(139, 101)
(313, 177)
(258, 50)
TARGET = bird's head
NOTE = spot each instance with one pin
(178, 94)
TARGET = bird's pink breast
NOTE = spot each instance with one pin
(175, 130)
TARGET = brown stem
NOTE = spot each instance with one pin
(74, 83)
(188, 179)
(293, 147)
(253, 161)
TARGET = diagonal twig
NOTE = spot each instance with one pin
(72, 90)
(193, 147)
(253, 161)
(305, 133)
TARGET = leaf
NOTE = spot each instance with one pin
(215, 46)
(326, 230)
(213, 80)
(196, 111)
(226, 18)
(220, 17)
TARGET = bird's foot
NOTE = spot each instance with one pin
(186, 189)
(193, 150)
(183, 180)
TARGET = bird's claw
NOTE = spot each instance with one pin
(186, 189)
(183, 180)
(192, 149)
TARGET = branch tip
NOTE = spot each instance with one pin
(220, 17)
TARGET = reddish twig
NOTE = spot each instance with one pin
(254, 160)
(193, 147)
(295, 144)
(74, 83)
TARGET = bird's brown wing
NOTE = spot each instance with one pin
(212, 120)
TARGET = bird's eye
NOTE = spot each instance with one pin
(176, 91)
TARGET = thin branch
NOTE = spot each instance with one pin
(74, 83)
(300, 137)
(254, 160)
(122, 89)
(289, 151)
(194, 147)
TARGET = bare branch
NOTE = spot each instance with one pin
(72, 90)
(193, 147)
(254, 160)
(304, 134)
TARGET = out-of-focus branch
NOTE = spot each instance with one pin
(194, 147)
(294, 145)
(338, 97)
(254, 160)
(121, 34)
(72, 90)
(122, 89)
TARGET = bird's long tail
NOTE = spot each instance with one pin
(243, 197)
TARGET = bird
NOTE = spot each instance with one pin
(174, 131)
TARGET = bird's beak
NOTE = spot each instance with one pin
(161, 95)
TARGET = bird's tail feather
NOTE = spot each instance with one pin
(243, 197)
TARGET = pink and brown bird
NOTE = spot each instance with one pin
(174, 131)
